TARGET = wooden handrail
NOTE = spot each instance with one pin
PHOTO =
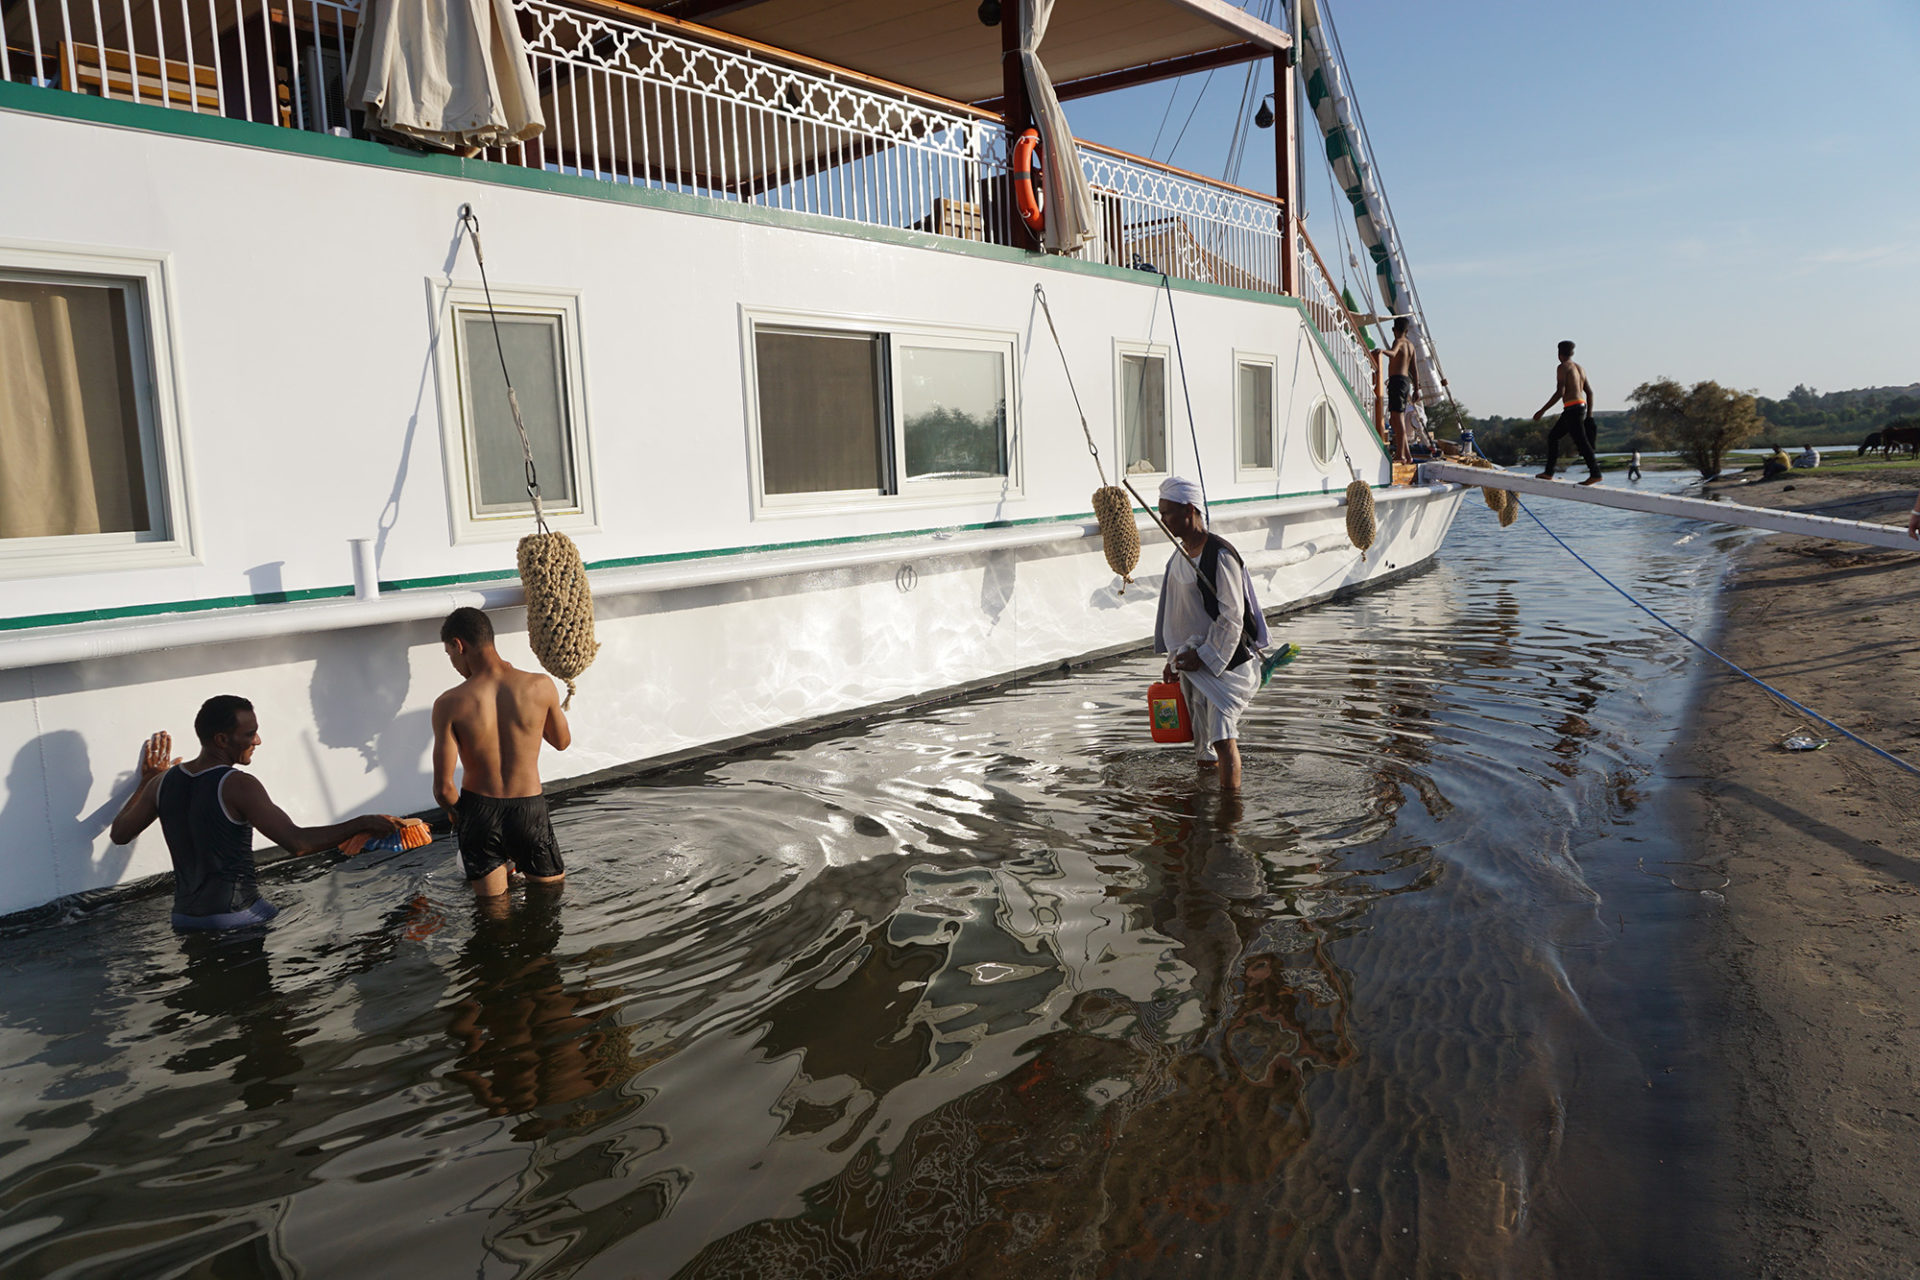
(1353, 321)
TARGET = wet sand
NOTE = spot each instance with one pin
(1817, 1025)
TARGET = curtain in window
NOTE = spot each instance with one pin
(1069, 198)
(69, 428)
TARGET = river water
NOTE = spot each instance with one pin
(994, 988)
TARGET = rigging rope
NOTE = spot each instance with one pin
(1717, 656)
(470, 222)
(1186, 392)
(1119, 534)
(559, 598)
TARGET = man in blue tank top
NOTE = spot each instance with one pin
(209, 810)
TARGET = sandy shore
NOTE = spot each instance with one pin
(1817, 1021)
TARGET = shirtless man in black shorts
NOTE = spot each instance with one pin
(1400, 388)
(493, 725)
(1576, 415)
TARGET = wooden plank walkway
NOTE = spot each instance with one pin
(1620, 497)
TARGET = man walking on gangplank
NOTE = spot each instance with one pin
(1209, 627)
(493, 725)
(1576, 412)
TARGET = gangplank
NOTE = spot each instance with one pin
(1709, 511)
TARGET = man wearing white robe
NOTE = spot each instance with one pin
(1198, 646)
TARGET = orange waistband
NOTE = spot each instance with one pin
(1573, 404)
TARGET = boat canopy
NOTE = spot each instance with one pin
(941, 47)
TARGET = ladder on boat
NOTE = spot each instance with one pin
(1709, 511)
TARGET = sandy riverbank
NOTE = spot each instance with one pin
(1817, 1024)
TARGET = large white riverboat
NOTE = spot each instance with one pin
(771, 311)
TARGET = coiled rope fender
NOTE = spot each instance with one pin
(559, 606)
(1119, 535)
(559, 599)
(1362, 524)
(1504, 503)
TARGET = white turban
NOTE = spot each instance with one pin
(1180, 489)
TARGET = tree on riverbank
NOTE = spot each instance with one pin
(1700, 424)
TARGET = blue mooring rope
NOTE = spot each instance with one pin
(1735, 667)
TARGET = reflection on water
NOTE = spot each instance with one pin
(994, 989)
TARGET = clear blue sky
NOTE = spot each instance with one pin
(1694, 190)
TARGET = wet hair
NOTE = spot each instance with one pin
(1566, 349)
(218, 715)
(469, 626)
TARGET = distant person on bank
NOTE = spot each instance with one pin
(1203, 629)
(1808, 458)
(1400, 388)
(1633, 465)
(1575, 397)
(492, 726)
(209, 810)
(1776, 464)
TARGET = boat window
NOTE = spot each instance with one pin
(1143, 412)
(534, 347)
(1323, 434)
(822, 411)
(85, 449)
(535, 334)
(1254, 411)
(905, 414)
(954, 406)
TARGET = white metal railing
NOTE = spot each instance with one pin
(1329, 314)
(1186, 226)
(634, 100)
(631, 101)
(278, 62)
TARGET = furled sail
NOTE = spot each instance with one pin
(452, 74)
(1332, 106)
(1069, 201)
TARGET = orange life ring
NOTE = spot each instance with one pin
(1029, 198)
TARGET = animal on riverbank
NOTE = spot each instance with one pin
(1902, 433)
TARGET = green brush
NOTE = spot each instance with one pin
(1274, 661)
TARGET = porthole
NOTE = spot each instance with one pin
(1323, 434)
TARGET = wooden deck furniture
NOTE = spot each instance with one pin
(113, 73)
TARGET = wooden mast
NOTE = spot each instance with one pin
(1286, 164)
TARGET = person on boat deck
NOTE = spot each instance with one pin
(209, 810)
(1400, 387)
(492, 725)
(1571, 389)
(1203, 629)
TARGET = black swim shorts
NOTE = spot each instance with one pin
(495, 832)
(1399, 391)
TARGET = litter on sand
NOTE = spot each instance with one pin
(1801, 740)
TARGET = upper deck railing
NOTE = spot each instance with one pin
(635, 98)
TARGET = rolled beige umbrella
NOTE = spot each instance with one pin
(448, 74)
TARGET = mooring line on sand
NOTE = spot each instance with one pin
(1731, 665)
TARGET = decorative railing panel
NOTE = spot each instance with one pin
(1329, 314)
(632, 100)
